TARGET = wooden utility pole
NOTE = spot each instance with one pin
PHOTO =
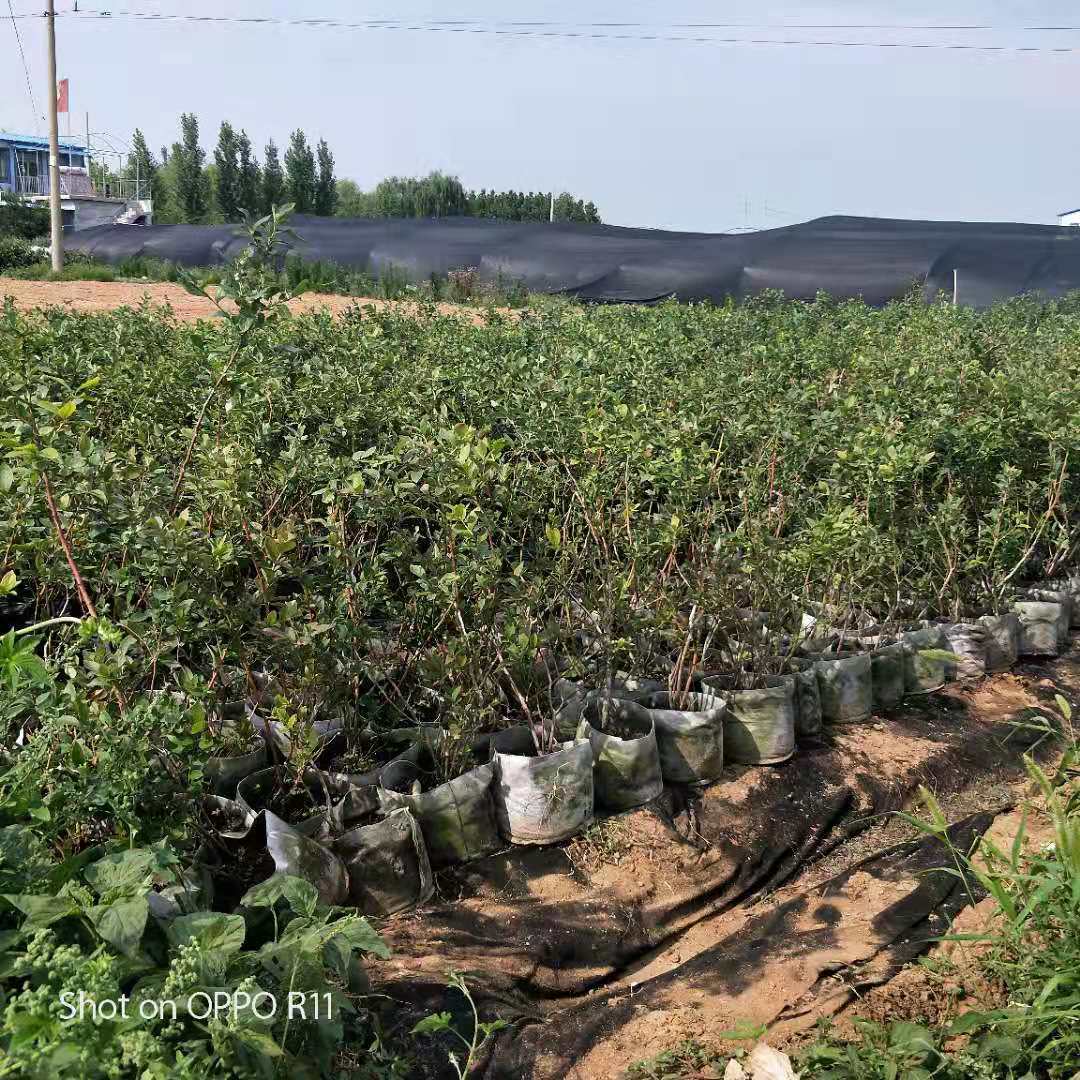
(55, 215)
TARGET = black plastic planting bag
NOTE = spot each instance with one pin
(808, 720)
(323, 793)
(627, 763)
(224, 773)
(387, 864)
(541, 798)
(457, 818)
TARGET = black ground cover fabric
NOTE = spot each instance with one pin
(878, 259)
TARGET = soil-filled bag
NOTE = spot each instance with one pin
(759, 725)
(807, 698)
(387, 864)
(923, 671)
(301, 856)
(847, 688)
(1041, 627)
(457, 818)
(967, 642)
(571, 699)
(689, 736)
(541, 798)
(315, 807)
(1002, 640)
(226, 818)
(224, 773)
(1071, 587)
(807, 695)
(887, 663)
(625, 755)
(1068, 607)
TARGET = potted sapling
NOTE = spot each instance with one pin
(543, 786)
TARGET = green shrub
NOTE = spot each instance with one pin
(22, 218)
(16, 253)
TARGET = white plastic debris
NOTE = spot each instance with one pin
(734, 1071)
(769, 1064)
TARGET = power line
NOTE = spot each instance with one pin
(26, 67)
(539, 23)
(523, 31)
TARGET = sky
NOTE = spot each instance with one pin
(658, 133)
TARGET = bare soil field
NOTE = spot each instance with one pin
(110, 295)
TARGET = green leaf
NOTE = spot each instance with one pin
(41, 911)
(301, 895)
(211, 929)
(433, 1024)
(360, 934)
(7, 478)
(121, 923)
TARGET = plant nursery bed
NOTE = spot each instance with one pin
(773, 895)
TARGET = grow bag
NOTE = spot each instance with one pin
(1002, 640)
(1043, 626)
(224, 773)
(887, 663)
(1068, 608)
(1071, 587)
(846, 686)
(456, 818)
(387, 864)
(923, 672)
(807, 696)
(759, 725)
(541, 799)
(627, 765)
(329, 794)
(226, 818)
(301, 856)
(689, 736)
(967, 642)
(571, 699)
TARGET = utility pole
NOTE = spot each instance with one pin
(551, 218)
(56, 218)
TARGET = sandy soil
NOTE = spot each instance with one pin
(109, 295)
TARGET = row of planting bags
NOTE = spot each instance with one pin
(609, 750)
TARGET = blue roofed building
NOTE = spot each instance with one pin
(24, 172)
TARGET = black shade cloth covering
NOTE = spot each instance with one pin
(878, 259)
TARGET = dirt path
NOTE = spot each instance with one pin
(110, 295)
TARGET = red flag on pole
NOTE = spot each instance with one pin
(62, 97)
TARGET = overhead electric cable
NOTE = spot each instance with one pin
(26, 67)
(538, 23)
(520, 30)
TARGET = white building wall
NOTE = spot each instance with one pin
(1070, 217)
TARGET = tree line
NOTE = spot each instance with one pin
(440, 195)
(188, 187)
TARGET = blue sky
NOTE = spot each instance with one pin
(666, 134)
